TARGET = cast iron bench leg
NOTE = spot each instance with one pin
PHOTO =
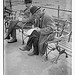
(22, 38)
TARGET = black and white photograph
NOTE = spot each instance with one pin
(37, 37)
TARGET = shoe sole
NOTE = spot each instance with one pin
(32, 54)
(22, 49)
(6, 38)
(13, 41)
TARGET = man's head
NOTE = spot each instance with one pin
(35, 11)
(28, 3)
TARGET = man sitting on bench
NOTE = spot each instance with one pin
(39, 36)
(13, 23)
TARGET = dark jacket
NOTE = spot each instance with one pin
(46, 30)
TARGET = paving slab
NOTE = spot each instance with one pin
(18, 62)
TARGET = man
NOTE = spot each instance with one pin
(13, 23)
(39, 37)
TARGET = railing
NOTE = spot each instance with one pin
(56, 8)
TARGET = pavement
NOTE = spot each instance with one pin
(18, 62)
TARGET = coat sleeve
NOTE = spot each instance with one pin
(47, 30)
(29, 20)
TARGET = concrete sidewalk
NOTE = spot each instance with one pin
(18, 62)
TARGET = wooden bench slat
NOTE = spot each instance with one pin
(66, 48)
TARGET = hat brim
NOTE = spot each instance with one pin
(36, 10)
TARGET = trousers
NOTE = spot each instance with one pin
(33, 41)
(12, 29)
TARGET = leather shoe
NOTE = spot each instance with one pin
(12, 41)
(31, 54)
(26, 48)
(7, 37)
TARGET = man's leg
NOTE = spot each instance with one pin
(31, 39)
(10, 28)
(13, 35)
(29, 44)
(35, 45)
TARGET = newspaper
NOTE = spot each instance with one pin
(31, 30)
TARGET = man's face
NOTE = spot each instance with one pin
(28, 4)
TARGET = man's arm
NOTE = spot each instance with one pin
(30, 19)
(47, 30)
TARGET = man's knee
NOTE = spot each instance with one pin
(35, 33)
(13, 23)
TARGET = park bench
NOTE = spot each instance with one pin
(59, 44)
